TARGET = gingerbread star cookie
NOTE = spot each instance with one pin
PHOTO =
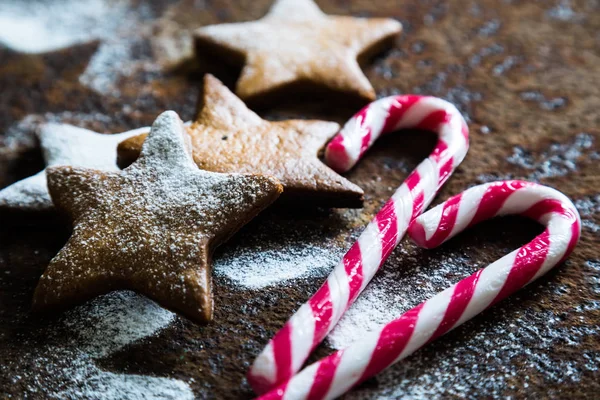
(150, 228)
(63, 144)
(229, 137)
(296, 45)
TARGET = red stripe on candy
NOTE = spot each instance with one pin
(575, 232)
(465, 131)
(433, 120)
(417, 233)
(338, 156)
(366, 140)
(539, 209)
(413, 180)
(397, 110)
(353, 267)
(439, 152)
(445, 171)
(324, 376)
(322, 310)
(555, 206)
(276, 394)
(528, 261)
(282, 351)
(493, 199)
(447, 222)
(418, 203)
(393, 339)
(463, 293)
(387, 222)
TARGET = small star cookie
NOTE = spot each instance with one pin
(229, 137)
(151, 228)
(64, 144)
(296, 45)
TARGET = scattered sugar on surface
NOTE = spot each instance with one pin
(116, 57)
(456, 369)
(103, 327)
(544, 103)
(21, 134)
(564, 12)
(506, 65)
(589, 208)
(559, 159)
(258, 265)
(41, 26)
(96, 330)
(490, 28)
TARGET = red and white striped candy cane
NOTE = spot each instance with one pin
(334, 375)
(285, 354)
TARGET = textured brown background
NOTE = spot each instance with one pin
(525, 73)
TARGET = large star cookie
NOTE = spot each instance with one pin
(296, 45)
(229, 137)
(150, 228)
(63, 144)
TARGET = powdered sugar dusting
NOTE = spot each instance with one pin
(589, 208)
(96, 330)
(274, 263)
(105, 326)
(41, 26)
(117, 57)
(559, 159)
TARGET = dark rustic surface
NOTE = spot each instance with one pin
(526, 76)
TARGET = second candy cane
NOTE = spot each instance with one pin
(285, 354)
(335, 374)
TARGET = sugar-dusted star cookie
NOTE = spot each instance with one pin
(150, 228)
(296, 45)
(63, 144)
(229, 137)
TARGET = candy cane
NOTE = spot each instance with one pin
(334, 375)
(287, 351)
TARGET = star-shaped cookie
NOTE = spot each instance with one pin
(229, 137)
(296, 45)
(63, 144)
(150, 228)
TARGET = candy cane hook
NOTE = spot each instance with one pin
(285, 354)
(334, 375)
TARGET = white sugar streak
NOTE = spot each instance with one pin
(274, 264)
(37, 27)
(96, 330)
